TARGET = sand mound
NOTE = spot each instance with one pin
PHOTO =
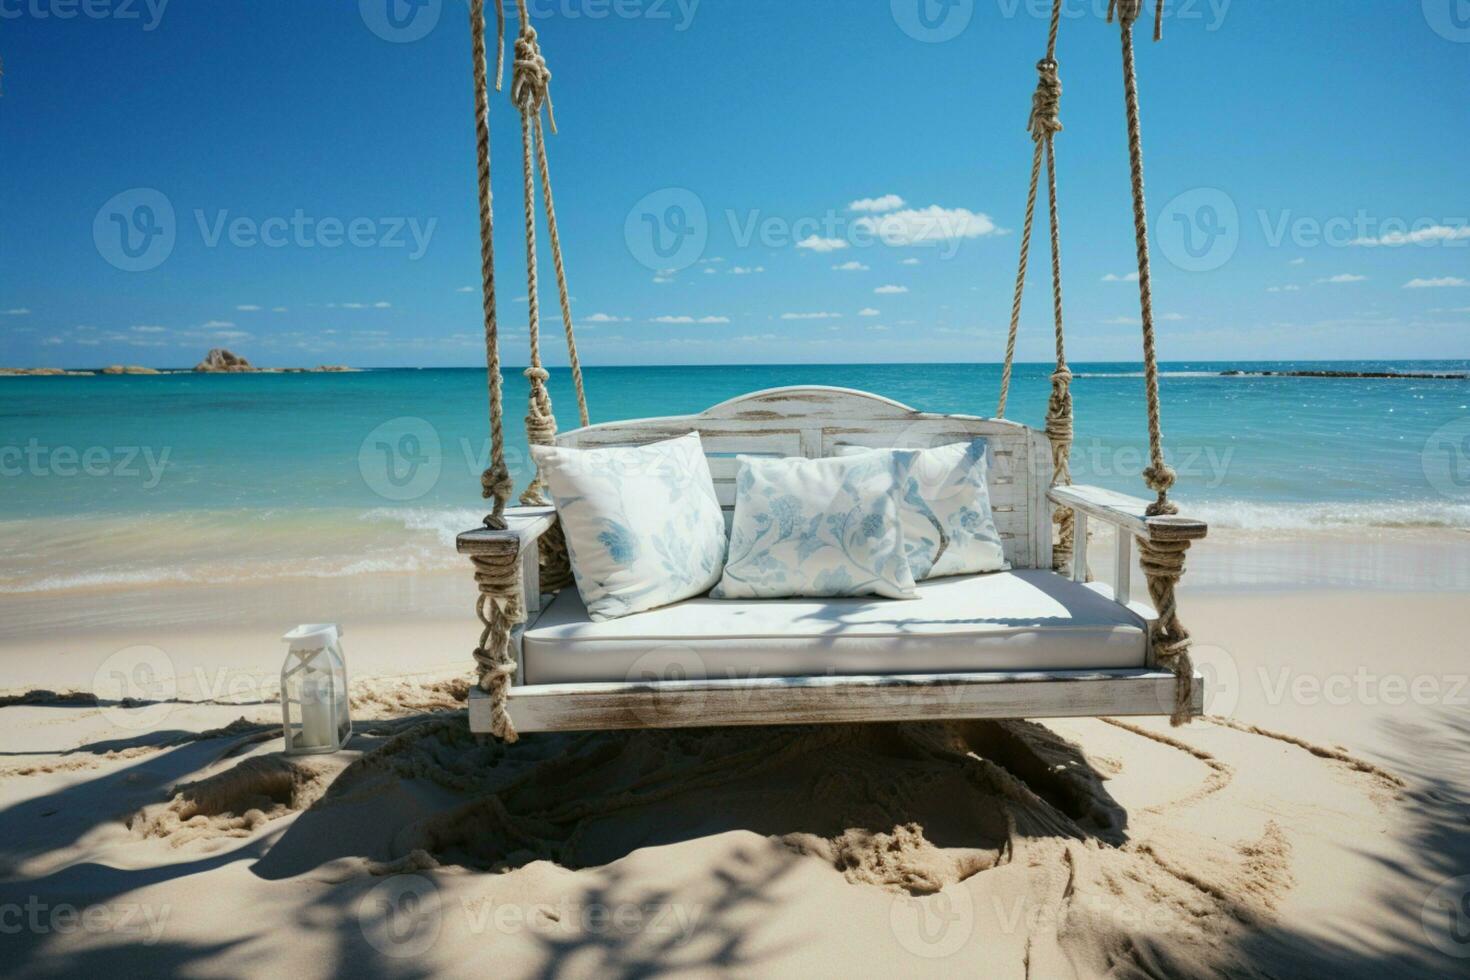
(237, 801)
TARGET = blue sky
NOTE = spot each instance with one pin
(1306, 180)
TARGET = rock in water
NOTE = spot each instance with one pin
(221, 361)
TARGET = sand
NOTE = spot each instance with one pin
(1311, 827)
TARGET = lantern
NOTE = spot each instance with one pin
(314, 690)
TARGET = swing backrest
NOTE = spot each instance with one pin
(814, 421)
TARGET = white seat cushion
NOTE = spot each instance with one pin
(1016, 620)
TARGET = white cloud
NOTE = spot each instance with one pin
(878, 327)
(248, 308)
(747, 270)
(18, 311)
(853, 266)
(891, 290)
(711, 272)
(821, 245)
(467, 289)
(149, 329)
(662, 280)
(757, 338)
(1419, 236)
(910, 262)
(1297, 262)
(927, 225)
(1342, 278)
(712, 260)
(686, 320)
(868, 311)
(380, 305)
(231, 335)
(811, 316)
(217, 325)
(602, 318)
(1283, 289)
(1445, 282)
(1114, 277)
(888, 202)
(278, 309)
(1122, 321)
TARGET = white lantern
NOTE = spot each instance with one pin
(314, 690)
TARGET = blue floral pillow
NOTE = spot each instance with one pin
(944, 505)
(816, 527)
(642, 523)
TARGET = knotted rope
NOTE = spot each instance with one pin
(1162, 561)
(495, 482)
(500, 609)
(1043, 124)
(530, 92)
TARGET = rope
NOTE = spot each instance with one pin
(530, 91)
(1162, 561)
(534, 78)
(495, 482)
(500, 609)
(1043, 124)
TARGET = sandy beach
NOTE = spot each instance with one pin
(1313, 824)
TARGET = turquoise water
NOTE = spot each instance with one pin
(214, 476)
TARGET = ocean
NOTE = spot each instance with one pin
(182, 478)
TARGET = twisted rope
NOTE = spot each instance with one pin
(500, 609)
(495, 482)
(1162, 561)
(530, 92)
(1043, 124)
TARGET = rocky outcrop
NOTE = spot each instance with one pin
(129, 369)
(221, 361)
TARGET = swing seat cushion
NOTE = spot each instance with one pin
(1022, 620)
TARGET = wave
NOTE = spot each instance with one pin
(225, 547)
(1257, 516)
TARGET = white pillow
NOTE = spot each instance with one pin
(816, 527)
(642, 523)
(944, 504)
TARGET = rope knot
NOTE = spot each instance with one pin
(1159, 477)
(537, 375)
(1046, 102)
(1128, 11)
(530, 78)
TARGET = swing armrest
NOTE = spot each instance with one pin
(524, 526)
(1127, 513)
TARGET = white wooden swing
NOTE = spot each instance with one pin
(1038, 641)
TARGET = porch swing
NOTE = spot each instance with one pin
(1037, 641)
